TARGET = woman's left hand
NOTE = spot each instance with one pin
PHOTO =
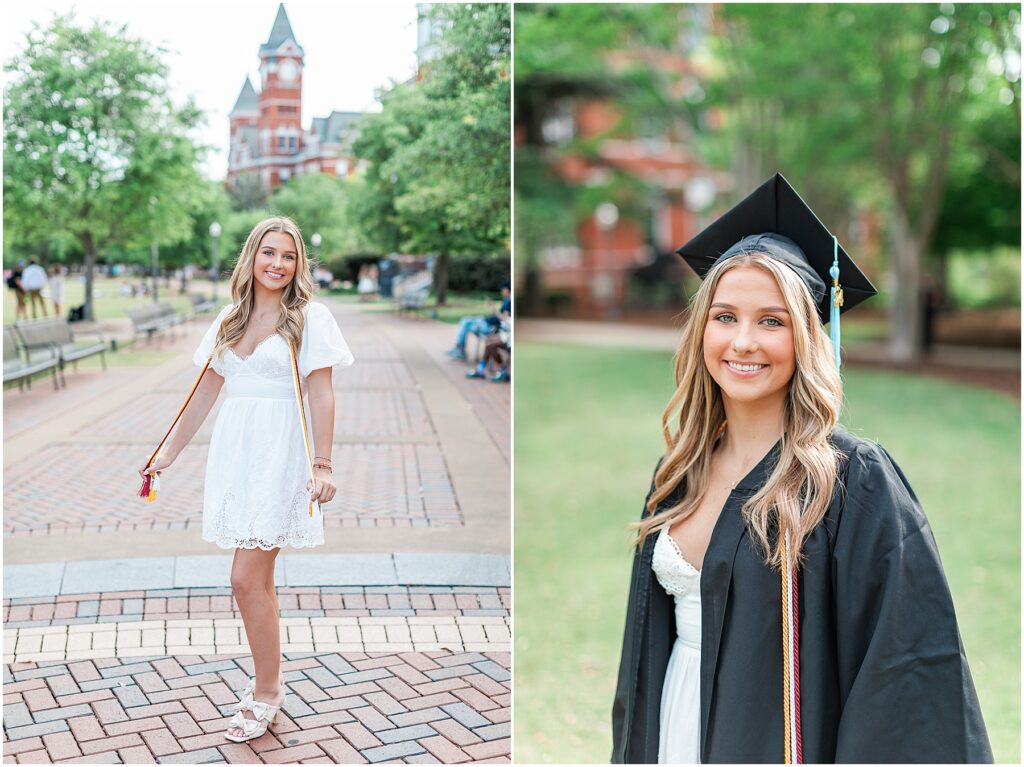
(322, 486)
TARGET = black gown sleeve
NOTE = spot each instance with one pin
(625, 687)
(906, 690)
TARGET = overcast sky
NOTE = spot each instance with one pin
(351, 49)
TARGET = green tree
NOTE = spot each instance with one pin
(247, 192)
(864, 102)
(91, 137)
(439, 176)
(318, 204)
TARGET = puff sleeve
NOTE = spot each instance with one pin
(209, 340)
(323, 346)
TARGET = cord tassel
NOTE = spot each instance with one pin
(792, 739)
(836, 302)
(305, 432)
(151, 482)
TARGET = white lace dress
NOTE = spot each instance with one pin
(679, 742)
(256, 473)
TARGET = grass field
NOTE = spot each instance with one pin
(107, 301)
(587, 437)
(109, 304)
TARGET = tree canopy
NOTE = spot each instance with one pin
(877, 104)
(94, 148)
(438, 154)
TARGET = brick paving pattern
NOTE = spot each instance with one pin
(414, 674)
(384, 486)
(227, 635)
(387, 457)
(350, 708)
(295, 602)
(197, 621)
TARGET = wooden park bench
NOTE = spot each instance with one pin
(411, 292)
(201, 305)
(151, 318)
(55, 332)
(22, 370)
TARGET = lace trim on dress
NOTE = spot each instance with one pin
(294, 534)
(274, 363)
(677, 576)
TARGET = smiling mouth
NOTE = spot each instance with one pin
(274, 275)
(745, 368)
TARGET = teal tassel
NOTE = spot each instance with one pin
(836, 301)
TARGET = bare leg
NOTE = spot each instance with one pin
(252, 581)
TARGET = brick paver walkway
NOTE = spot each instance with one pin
(375, 673)
(387, 455)
(295, 602)
(348, 708)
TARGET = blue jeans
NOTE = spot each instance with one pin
(468, 325)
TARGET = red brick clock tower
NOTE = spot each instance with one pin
(268, 144)
(280, 100)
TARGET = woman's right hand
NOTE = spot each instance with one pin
(162, 462)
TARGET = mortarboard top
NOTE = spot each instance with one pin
(774, 220)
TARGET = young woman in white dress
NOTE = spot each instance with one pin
(258, 489)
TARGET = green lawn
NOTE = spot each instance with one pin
(108, 302)
(587, 437)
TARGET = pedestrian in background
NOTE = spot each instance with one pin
(33, 280)
(483, 326)
(14, 283)
(57, 288)
(259, 496)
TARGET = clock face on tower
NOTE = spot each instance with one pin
(288, 71)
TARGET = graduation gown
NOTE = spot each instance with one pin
(883, 677)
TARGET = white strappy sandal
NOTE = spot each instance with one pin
(252, 728)
(264, 714)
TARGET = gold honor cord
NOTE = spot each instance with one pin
(150, 484)
(302, 420)
(793, 750)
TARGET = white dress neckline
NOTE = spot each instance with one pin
(679, 551)
(255, 349)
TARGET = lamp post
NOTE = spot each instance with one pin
(315, 241)
(699, 193)
(607, 216)
(214, 260)
(154, 252)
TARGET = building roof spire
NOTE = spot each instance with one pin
(281, 32)
(248, 101)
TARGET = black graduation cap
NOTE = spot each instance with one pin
(774, 220)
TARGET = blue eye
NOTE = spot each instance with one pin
(725, 317)
(772, 322)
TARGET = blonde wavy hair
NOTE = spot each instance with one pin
(294, 297)
(799, 489)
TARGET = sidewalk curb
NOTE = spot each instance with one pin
(399, 569)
